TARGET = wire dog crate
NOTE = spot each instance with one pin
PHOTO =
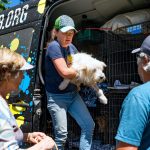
(121, 63)
(115, 101)
(115, 50)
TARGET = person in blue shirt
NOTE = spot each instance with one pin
(134, 128)
(59, 102)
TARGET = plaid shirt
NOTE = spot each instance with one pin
(10, 134)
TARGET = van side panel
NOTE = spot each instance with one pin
(20, 30)
(22, 14)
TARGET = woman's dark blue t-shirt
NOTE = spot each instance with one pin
(52, 78)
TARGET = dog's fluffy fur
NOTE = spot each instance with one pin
(89, 73)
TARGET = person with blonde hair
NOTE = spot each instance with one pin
(57, 67)
(11, 66)
(134, 127)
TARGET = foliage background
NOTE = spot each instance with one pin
(4, 4)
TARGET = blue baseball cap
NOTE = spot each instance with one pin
(145, 47)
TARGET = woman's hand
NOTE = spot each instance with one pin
(34, 137)
(47, 143)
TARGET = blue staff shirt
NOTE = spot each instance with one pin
(134, 127)
(52, 78)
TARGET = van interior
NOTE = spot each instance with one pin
(97, 15)
(96, 11)
(112, 47)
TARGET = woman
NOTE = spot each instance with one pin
(57, 62)
(11, 66)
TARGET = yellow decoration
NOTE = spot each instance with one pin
(20, 121)
(69, 59)
(41, 6)
(7, 96)
(2, 46)
(17, 110)
(14, 44)
(29, 59)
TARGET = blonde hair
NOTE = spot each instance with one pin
(10, 63)
(52, 36)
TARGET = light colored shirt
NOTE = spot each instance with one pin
(10, 133)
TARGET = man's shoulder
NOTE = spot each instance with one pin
(141, 92)
(143, 87)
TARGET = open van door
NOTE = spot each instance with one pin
(21, 30)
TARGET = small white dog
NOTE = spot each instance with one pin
(89, 73)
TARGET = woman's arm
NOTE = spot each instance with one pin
(63, 69)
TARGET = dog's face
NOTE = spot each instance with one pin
(99, 66)
(92, 74)
(98, 74)
(90, 70)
